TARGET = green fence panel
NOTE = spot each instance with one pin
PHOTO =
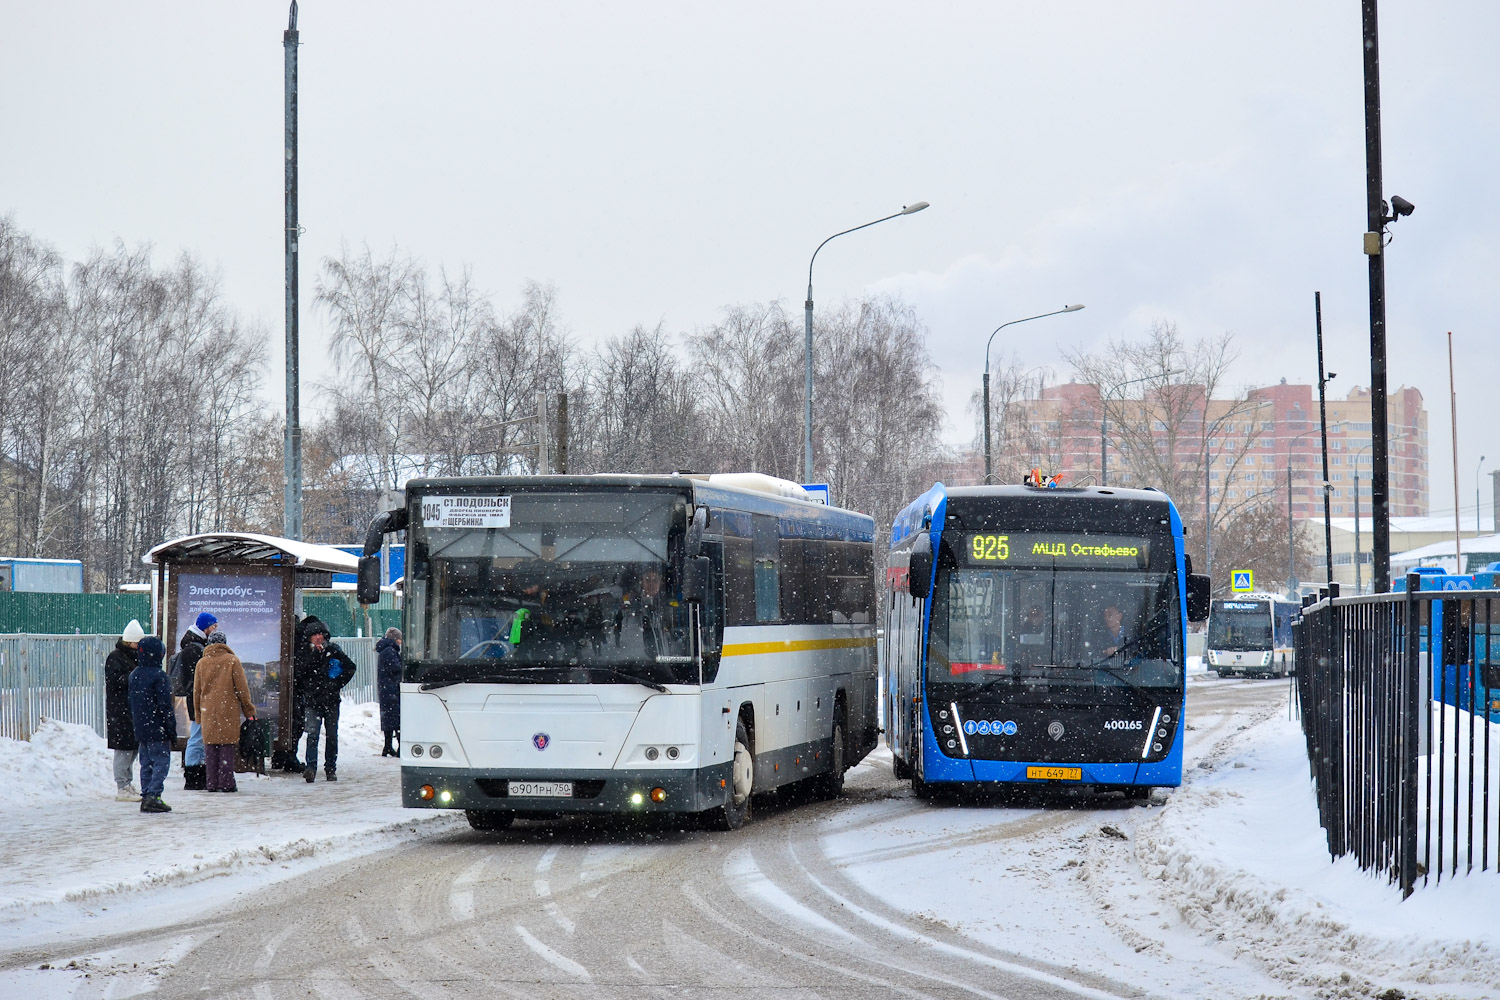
(72, 614)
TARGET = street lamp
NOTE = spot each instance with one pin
(1104, 418)
(807, 440)
(1293, 585)
(1477, 531)
(1208, 464)
(986, 378)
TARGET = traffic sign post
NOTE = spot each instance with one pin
(1242, 581)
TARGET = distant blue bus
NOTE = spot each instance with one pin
(1036, 636)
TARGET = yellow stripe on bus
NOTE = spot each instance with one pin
(794, 646)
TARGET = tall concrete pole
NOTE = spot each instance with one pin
(292, 449)
(1380, 508)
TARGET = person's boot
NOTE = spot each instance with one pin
(195, 778)
(309, 774)
(331, 774)
(154, 804)
(386, 751)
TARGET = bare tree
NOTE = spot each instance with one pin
(1185, 434)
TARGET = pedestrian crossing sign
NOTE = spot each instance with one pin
(1242, 581)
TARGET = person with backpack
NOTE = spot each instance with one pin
(182, 669)
(119, 730)
(221, 694)
(323, 669)
(154, 720)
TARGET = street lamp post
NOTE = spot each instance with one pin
(988, 468)
(1104, 419)
(807, 436)
(1293, 584)
(1477, 530)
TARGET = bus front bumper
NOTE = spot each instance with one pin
(623, 791)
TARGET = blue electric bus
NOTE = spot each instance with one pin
(1036, 636)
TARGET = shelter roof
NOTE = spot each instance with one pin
(243, 547)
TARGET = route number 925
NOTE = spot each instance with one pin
(989, 548)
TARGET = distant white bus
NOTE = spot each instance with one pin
(1251, 635)
(597, 644)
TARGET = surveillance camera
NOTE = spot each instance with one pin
(1332, 376)
(1401, 206)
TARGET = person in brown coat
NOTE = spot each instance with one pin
(220, 694)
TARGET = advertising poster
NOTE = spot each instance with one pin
(248, 606)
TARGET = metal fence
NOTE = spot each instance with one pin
(62, 677)
(1397, 695)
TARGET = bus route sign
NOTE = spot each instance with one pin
(1242, 581)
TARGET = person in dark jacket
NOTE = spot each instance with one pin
(388, 686)
(194, 769)
(323, 670)
(155, 721)
(119, 731)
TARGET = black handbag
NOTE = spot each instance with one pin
(255, 738)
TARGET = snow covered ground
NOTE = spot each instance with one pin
(74, 863)
(1222, 888)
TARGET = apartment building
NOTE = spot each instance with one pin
(1234, 452)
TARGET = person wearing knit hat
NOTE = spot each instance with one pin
(119, 732)
(190, 650)
(155, 721)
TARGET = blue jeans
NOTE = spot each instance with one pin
(193, 755)
(330, 721)
(155, 759)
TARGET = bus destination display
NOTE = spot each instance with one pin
(1048, 549)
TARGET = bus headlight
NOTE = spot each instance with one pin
(658, 795)
(426, 792)
(435, 753)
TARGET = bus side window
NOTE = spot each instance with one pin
(739, 582)
(765, 544)
(795, 570)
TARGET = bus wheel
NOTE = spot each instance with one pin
(830, 785)
(489, 819)
(733, 813)
(900, 768)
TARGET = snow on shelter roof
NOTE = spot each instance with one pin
(248, 548)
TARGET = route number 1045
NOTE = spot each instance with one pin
(990, 548)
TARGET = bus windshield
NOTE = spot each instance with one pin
(1050, 631)
(549, 588)
(1245, 627)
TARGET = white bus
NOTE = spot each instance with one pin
(1251, 634)
(597, 644)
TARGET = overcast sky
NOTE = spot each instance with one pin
(1198, 163)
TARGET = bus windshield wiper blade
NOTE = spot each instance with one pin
(486, 677)
(633, 678)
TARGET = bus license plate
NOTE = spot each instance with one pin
(541, 789)
(1055, 773)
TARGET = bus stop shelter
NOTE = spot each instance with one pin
(253, 585)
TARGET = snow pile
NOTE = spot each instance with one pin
(1241, 855)
(102, 855)
(62, 761)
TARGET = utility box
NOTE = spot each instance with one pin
(41, 576)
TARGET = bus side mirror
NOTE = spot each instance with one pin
(368, 585)
(695, 532)
(1198, 587)
(695, 577)
(919, 567)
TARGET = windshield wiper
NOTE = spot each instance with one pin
(488, 677)
(633, 678)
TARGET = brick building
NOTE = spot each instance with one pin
(1234, 451)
